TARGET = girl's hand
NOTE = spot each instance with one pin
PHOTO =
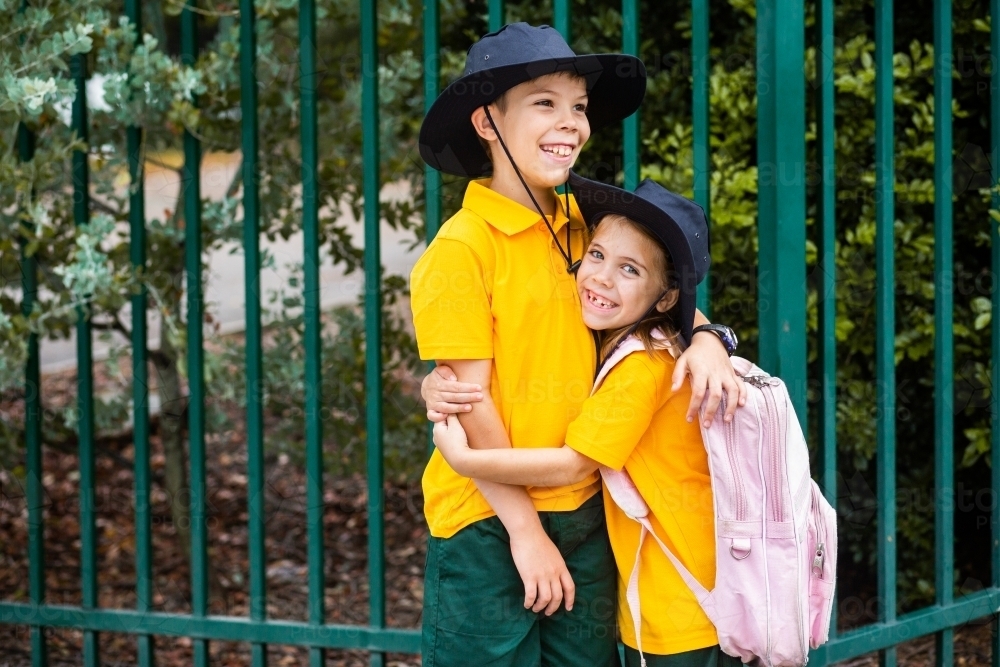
(451, 441)
(712, 376)
(445, 395)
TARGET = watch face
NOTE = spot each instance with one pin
(731, 337)
(725, 334)
(728, 337)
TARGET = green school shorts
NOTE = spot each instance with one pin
(702, 657)
(474, 599)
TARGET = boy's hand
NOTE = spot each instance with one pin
(547, 582)
(712, 375)
(445, 395)
(452, 442)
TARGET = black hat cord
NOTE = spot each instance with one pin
(571, 266)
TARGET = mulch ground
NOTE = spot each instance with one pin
(346, 534)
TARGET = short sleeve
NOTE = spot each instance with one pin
(614, 418)
(450, 300)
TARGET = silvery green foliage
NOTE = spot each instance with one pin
(24, 87)
(86, 269)
(81, 271)
(90, 271)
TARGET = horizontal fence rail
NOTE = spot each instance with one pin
(781, 115)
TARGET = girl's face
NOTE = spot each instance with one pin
(621, 274)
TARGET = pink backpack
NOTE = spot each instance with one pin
(775, 533)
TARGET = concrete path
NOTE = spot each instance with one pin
(225, 289)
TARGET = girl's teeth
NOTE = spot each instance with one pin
(562, 151)
(599, 301)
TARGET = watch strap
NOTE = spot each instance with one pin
(725, 334)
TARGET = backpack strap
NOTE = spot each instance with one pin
(632, 592)
(625, 348)
(623, 491)
(632, 597)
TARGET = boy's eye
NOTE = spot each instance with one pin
(628, 268)
(596, 254)
(546, 103)
(582, 108)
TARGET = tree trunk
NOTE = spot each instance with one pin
(173, 418)
(173, 412)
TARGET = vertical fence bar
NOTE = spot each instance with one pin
(944, 409)
(630, 126)
(84, 372)
(432, 177)
(191, 177)
(781, 193)
(497, 14)
(885, 326)
(561, 18)
(432, 75)
(33, 431)
(826, 133)
(33, 423)
(826, 148)
(313, 319)
(140, 378)
(254, 370)
(700, 120)
(766, 196)
(373, 319)
(995, 323)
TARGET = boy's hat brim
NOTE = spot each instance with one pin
(677, 222)
(515, 54)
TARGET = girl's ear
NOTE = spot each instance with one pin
(669, 300)
(482, 124)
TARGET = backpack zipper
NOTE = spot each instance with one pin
(767, 586)
(776, 456)
(819, 559)
(734, 466)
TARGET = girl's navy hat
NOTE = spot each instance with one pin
(511, 56)
(678, 223)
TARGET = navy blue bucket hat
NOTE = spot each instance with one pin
(511, 56)
(676, 221)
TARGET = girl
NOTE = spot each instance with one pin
(638, 278)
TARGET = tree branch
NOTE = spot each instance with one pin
(162, 165)
(101, 206)
(237, 181)
(117, 325)
(114, 325)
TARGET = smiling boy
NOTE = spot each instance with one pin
(494, 298)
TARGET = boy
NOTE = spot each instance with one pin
(494, 298)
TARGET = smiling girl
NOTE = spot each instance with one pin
(638, 278)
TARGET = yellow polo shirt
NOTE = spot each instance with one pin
(634, 421)
(493, 285)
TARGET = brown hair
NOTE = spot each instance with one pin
(654, 319)
(501, 104)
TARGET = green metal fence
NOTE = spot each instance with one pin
(781, 143)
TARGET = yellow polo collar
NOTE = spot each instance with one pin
(507, 215)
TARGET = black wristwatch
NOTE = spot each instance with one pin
(725, 334)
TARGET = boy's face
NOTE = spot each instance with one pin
(620, 276)
(544, 124)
